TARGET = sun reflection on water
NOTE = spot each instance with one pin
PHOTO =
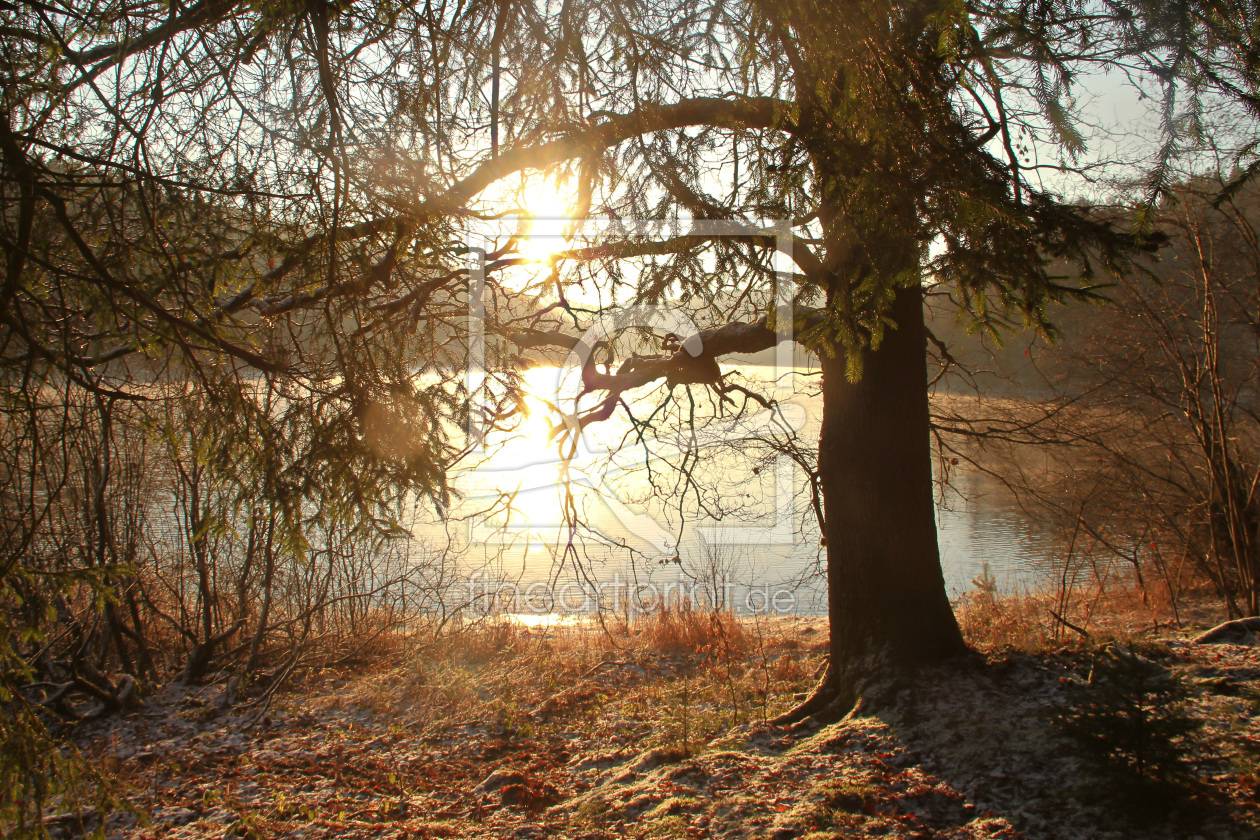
(526, 460)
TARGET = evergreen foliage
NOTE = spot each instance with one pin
(1131, 715)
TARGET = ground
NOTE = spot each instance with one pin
(508, 732)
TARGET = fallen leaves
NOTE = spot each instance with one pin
(967, 753)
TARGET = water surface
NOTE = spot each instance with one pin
(560, 534)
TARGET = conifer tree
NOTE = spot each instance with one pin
(213, 191)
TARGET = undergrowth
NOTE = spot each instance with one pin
(675, 678)
(1131, 717)
(1046, 619)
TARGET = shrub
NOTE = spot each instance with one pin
(1132, 715)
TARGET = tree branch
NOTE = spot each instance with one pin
(681, 367)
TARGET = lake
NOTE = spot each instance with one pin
(553, 525)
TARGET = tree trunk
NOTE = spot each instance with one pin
(887, 604)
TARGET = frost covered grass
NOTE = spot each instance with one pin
(658, 727)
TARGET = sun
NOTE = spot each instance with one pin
(546, 220)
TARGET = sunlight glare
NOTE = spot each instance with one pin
(527, 457)
(546, 220)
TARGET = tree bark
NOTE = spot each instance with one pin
(888, 608)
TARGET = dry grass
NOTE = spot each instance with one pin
(990, 622)
(677, 678)
(1045, 619)
(682, 628)
(680, 676)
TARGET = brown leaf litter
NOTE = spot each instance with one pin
(643, 743)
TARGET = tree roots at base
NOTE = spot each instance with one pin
(858, 688)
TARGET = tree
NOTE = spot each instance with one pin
(205, 193)
(888, 161)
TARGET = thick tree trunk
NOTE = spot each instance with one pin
(886, 594)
